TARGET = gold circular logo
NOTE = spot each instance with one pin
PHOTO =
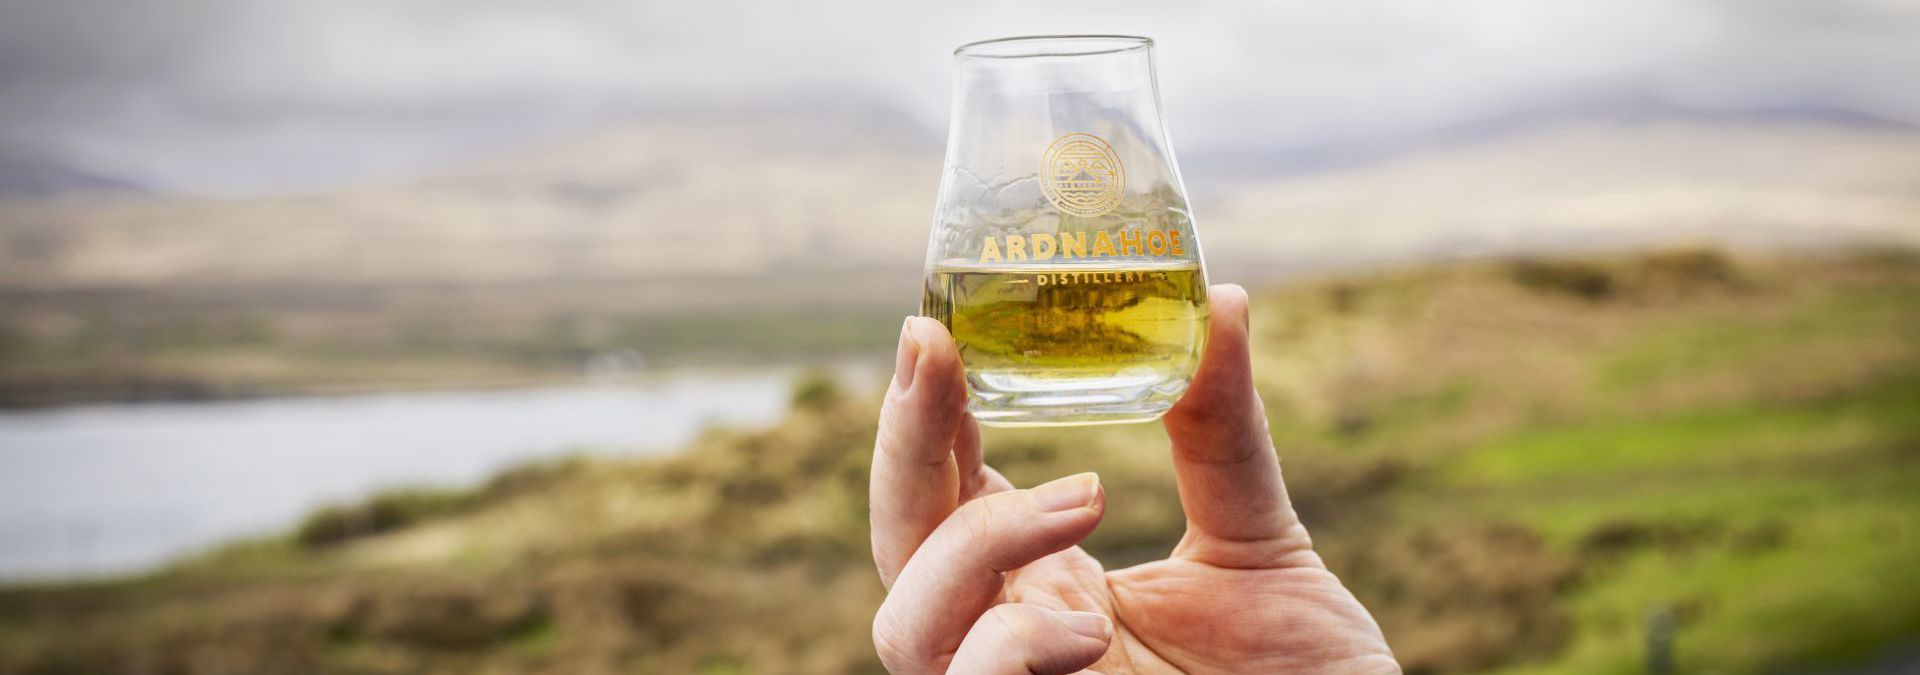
(1082, 175)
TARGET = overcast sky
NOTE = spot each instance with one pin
(240, 96)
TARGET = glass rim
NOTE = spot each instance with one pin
(1038, 46)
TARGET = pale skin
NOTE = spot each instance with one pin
(986, 578)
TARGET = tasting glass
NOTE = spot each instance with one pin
(1063, 256)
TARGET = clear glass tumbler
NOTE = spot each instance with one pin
(1063, 256)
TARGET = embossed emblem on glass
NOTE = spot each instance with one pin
(1063, 256)
(1081, 175)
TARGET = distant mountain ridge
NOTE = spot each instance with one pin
(29, 176)
(688, 193)
(1268, 160)
(668, 193)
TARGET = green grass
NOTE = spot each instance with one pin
(1835, 318)
(1836, 588)
(1782, 530)
(1742, 438)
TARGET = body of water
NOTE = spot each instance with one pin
(105, 489)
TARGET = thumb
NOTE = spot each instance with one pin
(1229, 475)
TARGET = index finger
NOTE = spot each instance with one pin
(1237, 510)
(915, 478)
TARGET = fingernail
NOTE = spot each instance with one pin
(1071, 492)
(1090, 624)
(909, 354)
(1246, 309)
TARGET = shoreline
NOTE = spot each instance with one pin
(19, 397)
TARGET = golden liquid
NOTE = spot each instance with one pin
(1124, 324)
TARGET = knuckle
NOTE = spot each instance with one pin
(977, 520)
(913, 442)
(988, 518)
(1011, 620)
(889, 440)
(885, 562)
(894, 649)
(1209, 437)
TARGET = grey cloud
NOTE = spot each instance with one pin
(230, 95)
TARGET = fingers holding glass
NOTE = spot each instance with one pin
(956, 575)
(916, 480)
(1229, 475)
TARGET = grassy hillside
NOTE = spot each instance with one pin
(1518, 466)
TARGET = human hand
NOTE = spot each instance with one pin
(985, 578)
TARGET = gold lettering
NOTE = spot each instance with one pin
(1102, 244)
(1157, 242)
(1130, 241)
(1173, 243)
(1073, 245)
(1043, 252)
(1041, 279)
(989, 251)
(1016, 247)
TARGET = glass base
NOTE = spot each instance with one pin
(1016, 399)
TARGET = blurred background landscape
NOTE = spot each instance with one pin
(457, 337)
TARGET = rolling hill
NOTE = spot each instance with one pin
(744, 234)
